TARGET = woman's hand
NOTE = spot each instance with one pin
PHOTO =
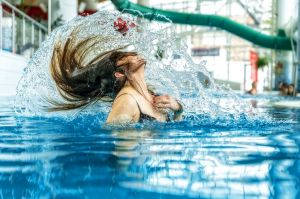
(166, 101)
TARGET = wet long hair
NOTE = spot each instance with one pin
(81, 82)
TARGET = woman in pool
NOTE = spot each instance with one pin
(115, 75)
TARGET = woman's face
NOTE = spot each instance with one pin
(132, 62)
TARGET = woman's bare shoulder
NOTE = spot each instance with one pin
(126, 98)
(124, 109)
(127, 90)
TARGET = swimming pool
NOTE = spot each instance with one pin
(51, 157)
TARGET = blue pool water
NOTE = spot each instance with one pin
(56, 158)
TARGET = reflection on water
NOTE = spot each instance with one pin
(47, 158)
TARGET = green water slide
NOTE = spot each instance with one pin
(243, 31)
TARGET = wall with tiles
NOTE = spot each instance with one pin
(11, 67)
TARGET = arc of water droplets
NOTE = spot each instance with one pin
(147, 39)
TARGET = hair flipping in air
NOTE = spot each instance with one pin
(81, 77)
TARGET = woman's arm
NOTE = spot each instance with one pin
(178, 112)
(124, 110)
(166, 101)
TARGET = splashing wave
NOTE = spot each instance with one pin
(170, 69)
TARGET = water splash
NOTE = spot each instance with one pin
(170, 69)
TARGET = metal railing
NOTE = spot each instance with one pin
(19, 33)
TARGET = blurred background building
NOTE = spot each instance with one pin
(233, 60)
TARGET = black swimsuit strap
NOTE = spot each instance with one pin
(133, 98)
(143, 116)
